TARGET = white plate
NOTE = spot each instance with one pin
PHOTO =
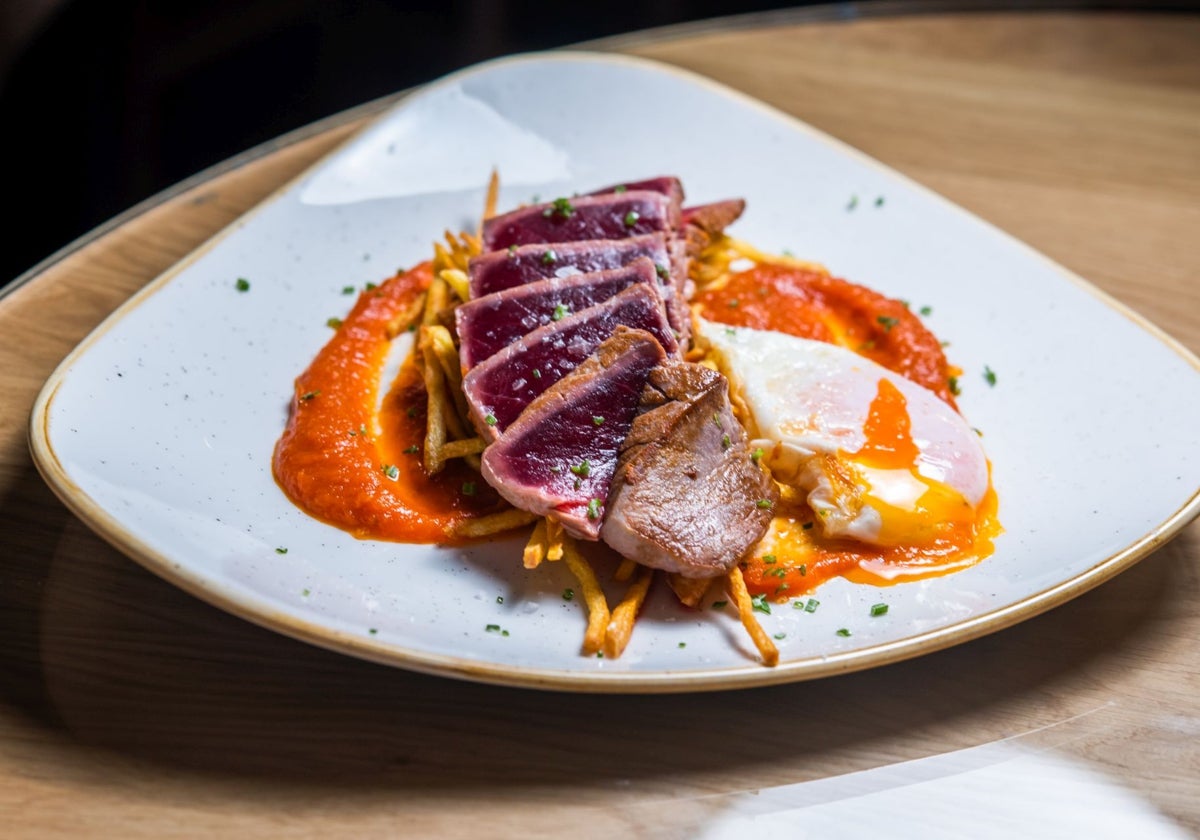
(157, 431)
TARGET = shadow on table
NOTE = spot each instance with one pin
(111, 661)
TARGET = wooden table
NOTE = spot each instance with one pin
(128, 708)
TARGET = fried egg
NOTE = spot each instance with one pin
(880, 459)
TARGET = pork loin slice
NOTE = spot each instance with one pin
(499, 388)
(558, 458)
(686, 496)
(488, 324)
(610, 216)
(500, 270)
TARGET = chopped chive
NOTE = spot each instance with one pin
(953, 384)
(305, 592)
(926, 310)
(308, 395)
(492, 628)
(468, 488)
(499, 599)
(490, 419)
(989, 376)
(411, 450)
(887, 322)
(730, 331)
(759, 602)
(568, 594)
(560, 207)
(512, 249)
(763, 504)
(812, 605)
(843, 632)
(879, 201)
(620, 188)
(597, 420)
(593, 509)
(281, 550)
(757, 454)
(549, 257)
(631, 218)
(391, 471)
(725, 442)
(803, 568)
(583, 469)
(370, 286)
(768, 558)
(779, 636)
(537, 374)
(242, 284)
(719, 605)
(347, 290)
(878, 610)
(661, 271)
(373, 631)
(683, 644)
(560, 311)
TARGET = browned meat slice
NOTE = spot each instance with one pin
(558, 458)
(499, 270)
(498, 389)
(488, 324)
(610, 216)
(687, 496)
(714, 218)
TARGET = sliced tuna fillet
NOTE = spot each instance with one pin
(488, 324)
(611, 216)
(499, 270)
(668, 185)
(499, 388)
(687, 497)
(558, 458)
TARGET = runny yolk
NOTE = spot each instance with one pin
(888, 430)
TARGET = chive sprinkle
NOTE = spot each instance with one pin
(620, 188)
(391, 471)
(499, 599)
(333, 323)
(926, 310)
(879, 201)
(242, 284)
(779, 636)
(768, 558)
(549, 257)
(568, 594)
(989, 376)
(812, 605)
(878, 610)
(582, 469)
(347, 290)
(281, 550)
(843, 632)
(593, 509)
(560, 311)
(537, 374)
(560, 207)
(468, 488)
(719, 605)
(953, 384)
(597, 420)
(309, 395)
(759, 603)
(490, 419)
(631, 218)
(756, 455)
(725, 442)
(887, 322)
(763, 504)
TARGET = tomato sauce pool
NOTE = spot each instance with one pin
(356, 463)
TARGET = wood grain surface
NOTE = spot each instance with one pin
(128, 708)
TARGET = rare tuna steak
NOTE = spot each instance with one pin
(559, 457)
(609, 216)
(488, 324)
(499, 388)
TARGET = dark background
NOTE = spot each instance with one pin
(105, 103)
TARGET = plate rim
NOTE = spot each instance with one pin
(747, 675)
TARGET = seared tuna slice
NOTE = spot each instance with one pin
(611, 216)
(666, 184)
(499, 270)
(499, 388)
(488, 324)
(558, 458)
(687, 496)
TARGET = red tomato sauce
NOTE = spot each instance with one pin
(810, 304)
(357, 465)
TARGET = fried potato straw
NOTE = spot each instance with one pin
(593, 595)
(736, 586)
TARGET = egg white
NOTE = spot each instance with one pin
(809, 401)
